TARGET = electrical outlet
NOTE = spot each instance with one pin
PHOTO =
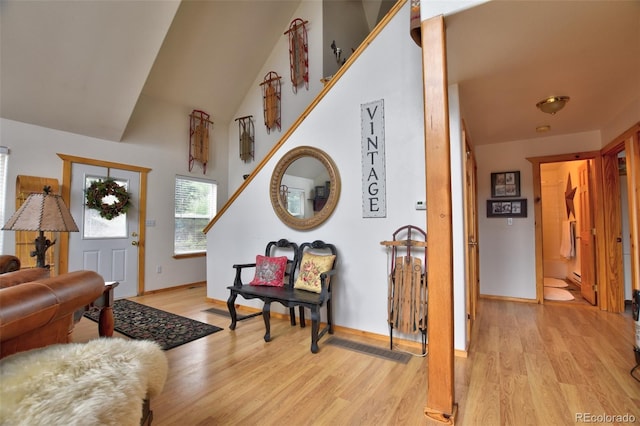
(158, 269)
(509, 221)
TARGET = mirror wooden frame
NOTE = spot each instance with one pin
(276, 179)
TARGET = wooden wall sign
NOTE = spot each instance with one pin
(374, 194)
(271, 100)
(298, 54)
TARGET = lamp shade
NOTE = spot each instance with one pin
(42, 212)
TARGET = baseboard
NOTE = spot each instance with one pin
(162, 290)
(507, 299)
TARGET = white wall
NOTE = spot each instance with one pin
(360, 290)
(292, 104)
(507, 252)
(159, 142)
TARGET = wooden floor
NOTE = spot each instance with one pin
(528, 365)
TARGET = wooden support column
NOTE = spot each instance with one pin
(440, 392)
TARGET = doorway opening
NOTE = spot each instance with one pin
(568, 249)
(136, 231)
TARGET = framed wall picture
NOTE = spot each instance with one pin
(507, 208)
(505, 184)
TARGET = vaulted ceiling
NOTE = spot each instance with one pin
(81, 66)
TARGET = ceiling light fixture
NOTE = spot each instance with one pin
(543, 128)
(552, 104)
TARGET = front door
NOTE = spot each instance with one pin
(108, 247)
(587, 248)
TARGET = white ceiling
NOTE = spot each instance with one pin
(508, 55)
(81, 66)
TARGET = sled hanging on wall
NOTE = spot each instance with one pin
(271, 100)
(199, 125)
(298, 54)
(246, 134)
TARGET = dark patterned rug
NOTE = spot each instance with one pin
(146, 323)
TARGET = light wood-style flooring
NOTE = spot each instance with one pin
(528, 365)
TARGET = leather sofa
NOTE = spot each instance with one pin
(37, 310)
(8, 263)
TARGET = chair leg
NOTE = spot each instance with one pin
(303, 323)
(329, 316)
(292, 316)
(231, 304)
(266, 314)
(315, 328)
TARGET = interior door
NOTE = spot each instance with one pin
(108, 247)
(471, 230)
(587, 238)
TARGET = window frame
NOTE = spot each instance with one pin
(214, 187)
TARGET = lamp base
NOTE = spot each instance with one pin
(42, 244)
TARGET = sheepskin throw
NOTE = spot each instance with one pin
(101, 382)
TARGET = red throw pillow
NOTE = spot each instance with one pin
(270, 271)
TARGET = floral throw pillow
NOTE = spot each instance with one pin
(311, 267)
(270, 271)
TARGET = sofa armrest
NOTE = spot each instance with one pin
(11, 279)
(28, 306)
(8, 263)
(25, 307)
(75, 289)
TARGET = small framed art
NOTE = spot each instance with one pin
(507, 208)
(505, 184)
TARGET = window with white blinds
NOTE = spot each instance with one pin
(195, 206)
(4, 157)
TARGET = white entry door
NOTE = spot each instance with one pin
(108, 247)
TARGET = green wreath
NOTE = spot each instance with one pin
(100, 189)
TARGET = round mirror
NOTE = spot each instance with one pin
(305, 187)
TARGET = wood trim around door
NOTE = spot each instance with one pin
(629, 141)
(598, 217)
(65, 192)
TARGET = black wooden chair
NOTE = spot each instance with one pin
(256, 292)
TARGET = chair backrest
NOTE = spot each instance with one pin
(275, 248)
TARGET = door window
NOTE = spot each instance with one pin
(96, 226)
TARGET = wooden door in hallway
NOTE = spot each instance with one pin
(587, 248)
(471, 231)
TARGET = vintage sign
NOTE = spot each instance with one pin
(374, 196)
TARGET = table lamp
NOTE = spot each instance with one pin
(42, 212)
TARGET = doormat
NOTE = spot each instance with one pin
(143, 322)
(402, 357)
(552, 293)
(555, 282)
